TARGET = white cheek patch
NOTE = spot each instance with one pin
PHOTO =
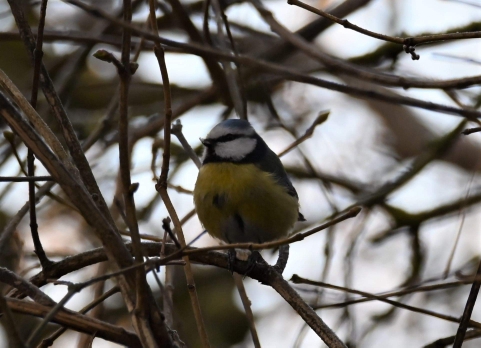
(236, 149)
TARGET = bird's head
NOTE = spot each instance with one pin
(231, 140)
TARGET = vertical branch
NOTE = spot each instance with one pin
(142, 296)
(230, 73)
(240, 86)
(205, 24)
(38, 54)
(167, 296)
(247, 307)
(83, 170)
(161, 185)
(468, 310)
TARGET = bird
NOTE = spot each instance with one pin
(242, 193)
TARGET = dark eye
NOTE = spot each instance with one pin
(229, 137)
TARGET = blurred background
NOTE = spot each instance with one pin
(404, 237)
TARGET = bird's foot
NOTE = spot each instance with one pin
(282, 260)
(252, 261)
(231, 256)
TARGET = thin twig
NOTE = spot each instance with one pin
(299, 280)
(292, 74)
(11, 329)
(161, 185)
(246, 303)
(125, 73)
(75, 288)
(47, 342)
(78, 322)
(462, 212)
(25, 179)
(269, 245)
(468, 310)
(401, 292)
(177, 131)
(230, 74)
(448, 341)
(320, 119)
(471, 130)
(38, 53)
(408, 41)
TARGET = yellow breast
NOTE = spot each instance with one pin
(227, 195)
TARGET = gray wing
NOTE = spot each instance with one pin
(272, 164)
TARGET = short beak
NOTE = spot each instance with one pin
(206, 142)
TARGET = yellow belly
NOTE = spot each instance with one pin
(224, 190)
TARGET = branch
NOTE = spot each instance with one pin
(77, 322)
(408, 41)
(281, 70)
(161, 185)
(299, 280)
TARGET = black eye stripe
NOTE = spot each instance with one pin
(228, 137)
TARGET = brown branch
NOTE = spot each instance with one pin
(215, 72)
(34, 118)
(471, 130)
(468, 310)
(246, 303)
(287, 73)
(279, 284)
(142, 291)
(262, 272)
(388, 79)
(58, 111)
(37, 53)
(25, 287)
(448, 341)
(78, 322)
(177, 131)
(161, 185)
(73, 188)
(408, 41)
(230, 74)
(269, 245)
(25, 179)
(297, 41)
(74, 288)
(401, 292)
(299, 280)
(47, 342)
(11, 329)
(320, 119)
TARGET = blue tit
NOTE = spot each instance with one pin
(242, 193)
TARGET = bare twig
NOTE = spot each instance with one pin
(320, 119)
(408, 41)
(25, 179)
(177, 131)
(38, 53)
(230, 74)
(299, 280)
(161, 185)
(468, 310)
(401, 292)
(11, 329)
(78, 322)
(448, 341)
(289, 73)
(471, 130)
(247, 308)
(295, 238)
